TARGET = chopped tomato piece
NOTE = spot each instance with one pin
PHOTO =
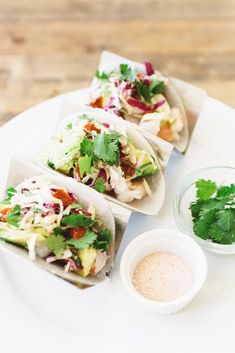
(140, 75)
(64, 197)
(4, 213)
(97, 103)
(77, 233)
(166, 132)
(91, 127)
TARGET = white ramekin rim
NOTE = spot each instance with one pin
(155, 235)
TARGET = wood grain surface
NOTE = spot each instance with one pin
(51, 47)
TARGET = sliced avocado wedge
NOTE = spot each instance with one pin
(87, 257)
(16, 236)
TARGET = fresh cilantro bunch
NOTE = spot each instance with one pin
(213, 212)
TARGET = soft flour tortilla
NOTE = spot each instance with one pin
(170, 92)
(150, 205)
(21, 170)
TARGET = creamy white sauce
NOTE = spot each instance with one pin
(162, 276)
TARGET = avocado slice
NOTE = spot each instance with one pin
(17, 236)
(87, 257)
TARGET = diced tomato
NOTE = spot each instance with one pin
(77, 233)
(140, 75)
(97, 103)
(64, 197)
(166, 132)
(91, 127)
(4, 213)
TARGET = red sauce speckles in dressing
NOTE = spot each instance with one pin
(162, 276)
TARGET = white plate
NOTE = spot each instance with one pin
(40, 312)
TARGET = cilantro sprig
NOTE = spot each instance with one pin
(14, 217)
(10, 192)
(213, 212)
(104, 76)
(77, 220)
(106, 148)
(103, 147)
(57, 243)
(84, 242)
(99, 185)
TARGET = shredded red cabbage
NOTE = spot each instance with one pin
(106, 125)
(72, 196)
(92, 183)
(102, 174)
(149, 68)
(85, 212)
(158, 104)
(110, 103)
(144, 107)
(48, 204)
(73, 264)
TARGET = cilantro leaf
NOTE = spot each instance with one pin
(205, 189)
(10, 192)
(85, 165)
(213, 212)
(50, 164)
(196, 208)
(99, 185)
(58, 231)
(84, 242)
(220, 236)
(157, 86)
(69, 126)
(125, 72)
(107, 148)
(226, 190)
(201, 226)
(77, 220)
(102, 75)
(56, 244)
(146, 169)
(86, 147)
(14, 216)
(103, 240)
(143, 90)
(225, 219)
(146, 90)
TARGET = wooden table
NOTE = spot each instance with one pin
(50, 47)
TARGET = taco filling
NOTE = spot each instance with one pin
(50, 222)
(138, 95)
(102, 157)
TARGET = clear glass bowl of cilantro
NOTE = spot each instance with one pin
(204, 207)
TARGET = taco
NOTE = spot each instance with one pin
(109, 155)
(61, 223)
(144, 96)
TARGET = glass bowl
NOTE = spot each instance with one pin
(186, 193)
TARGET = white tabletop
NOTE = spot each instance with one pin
(41, 313)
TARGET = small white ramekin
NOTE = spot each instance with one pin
(164, 240)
